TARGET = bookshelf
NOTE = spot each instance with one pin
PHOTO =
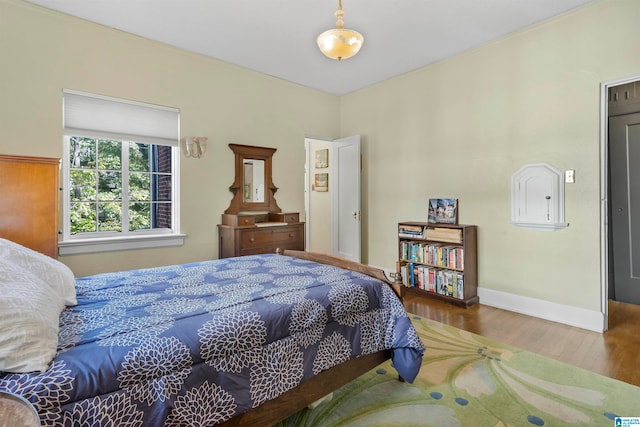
(439, 261)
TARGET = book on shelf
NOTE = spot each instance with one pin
(432, 279)
(404, 274)
(411, 231)
(412, 279)
(448, 235)
(431, 282)
(433, 254)
(449, 279)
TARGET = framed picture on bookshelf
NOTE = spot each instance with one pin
(433, 209)
(322, 158)
(443, 211)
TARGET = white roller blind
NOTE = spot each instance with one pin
(105, 117)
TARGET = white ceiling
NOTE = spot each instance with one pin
(278, 37)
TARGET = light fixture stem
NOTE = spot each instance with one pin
(339, 14)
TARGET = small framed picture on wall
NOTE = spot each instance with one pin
(322, 158)
(321, 182)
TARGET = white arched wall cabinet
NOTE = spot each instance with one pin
(537, 197)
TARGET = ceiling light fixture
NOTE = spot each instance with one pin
(340, 43)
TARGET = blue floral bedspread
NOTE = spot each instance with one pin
(196, 344)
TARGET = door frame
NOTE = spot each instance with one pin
(604, 183)
(334, 203)
(307, 188)
(309, 161)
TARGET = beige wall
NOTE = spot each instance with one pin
(458, 128)
(43, 52)
(461, 127)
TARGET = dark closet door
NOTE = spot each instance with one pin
(624, 166)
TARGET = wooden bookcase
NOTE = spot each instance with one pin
(447, 253)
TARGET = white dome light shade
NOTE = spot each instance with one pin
(340, 43)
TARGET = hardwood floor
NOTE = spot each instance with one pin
(615, 353)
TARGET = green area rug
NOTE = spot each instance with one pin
(469, 380)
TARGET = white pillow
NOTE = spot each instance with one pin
(49, 270)
(29, 318)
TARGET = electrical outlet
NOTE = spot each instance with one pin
(570, 176)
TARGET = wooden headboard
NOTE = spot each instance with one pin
(29, 202)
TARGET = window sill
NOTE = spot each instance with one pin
(88, 246)
(543, 226)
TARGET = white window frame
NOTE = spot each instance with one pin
(83, 243)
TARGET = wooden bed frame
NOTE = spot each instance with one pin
(308, 392)
(29, 173)
(29, 202)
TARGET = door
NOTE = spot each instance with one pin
(624, 158)
(344, 163)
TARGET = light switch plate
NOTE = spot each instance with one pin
(570, 176)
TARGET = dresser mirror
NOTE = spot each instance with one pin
(253, 181)
(253, 189)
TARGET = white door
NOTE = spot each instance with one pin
(344, 186)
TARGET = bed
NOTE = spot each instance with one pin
(200, 343)
(236, 341)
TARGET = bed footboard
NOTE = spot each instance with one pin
(308, 392)
(345, 263)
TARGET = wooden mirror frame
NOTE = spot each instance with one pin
(237, 204)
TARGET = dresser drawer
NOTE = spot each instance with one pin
(269, 237)
(242, 240)
(285, 217)
(238, 220)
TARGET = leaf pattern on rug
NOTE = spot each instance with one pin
(481, 369)
(470, 380)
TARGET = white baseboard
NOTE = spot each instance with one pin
(547, 310)
(567, 314)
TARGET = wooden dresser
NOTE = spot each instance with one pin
(254, 223)
(29, 202)
(248, 233)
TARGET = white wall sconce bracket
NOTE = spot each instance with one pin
(193, 146)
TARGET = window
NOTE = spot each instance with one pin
(120, 179)
(118, 186)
